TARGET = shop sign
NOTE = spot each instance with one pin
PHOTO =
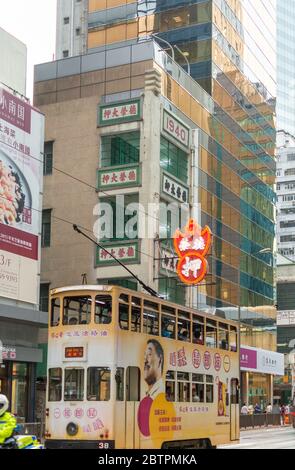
(285, 317)
(8, 353)
(176, 129)
(261, 360)
(168, 261)
(118, 113)
(125, 252)
(118, 177)
(192, 246)
(175, 189)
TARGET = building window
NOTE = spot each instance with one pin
(48, 158)
(174, 160)
(119, 223)
(78, 31)
(65, 54)
(66, 20)
(172, 290)
(291, 157)
(287, 238)
(46, 228)
(122, 149)
(290, 172)
(44, 297)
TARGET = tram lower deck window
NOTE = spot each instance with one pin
(54, 384)
(98, 384)
(74, 384)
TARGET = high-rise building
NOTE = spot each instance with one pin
(127, 120)
(286, 65)
(286, 194)
(71, 28)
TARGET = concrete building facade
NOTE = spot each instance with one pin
(71, 28)
(21, 146)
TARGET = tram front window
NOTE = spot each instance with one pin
(77, 310)
(103, 309)
(74, 384)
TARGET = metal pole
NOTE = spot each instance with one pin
(166, 42)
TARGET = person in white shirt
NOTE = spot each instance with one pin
(269, 408)
(153, 368)
(244, 409)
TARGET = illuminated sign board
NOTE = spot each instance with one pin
(77, 352)
(192, 246)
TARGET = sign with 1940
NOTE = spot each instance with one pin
(175, 128)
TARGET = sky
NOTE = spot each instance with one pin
(33, 22)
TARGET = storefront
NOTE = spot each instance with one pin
(258, 369)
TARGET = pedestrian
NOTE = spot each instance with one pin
(257, 409)
(269, 408)
(244, 409)
(282, 413)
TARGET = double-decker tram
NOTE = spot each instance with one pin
(128, 370)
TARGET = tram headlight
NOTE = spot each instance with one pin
(72, 429)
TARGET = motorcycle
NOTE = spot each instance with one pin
(21, 441)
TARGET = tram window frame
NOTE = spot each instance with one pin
(120, 384)
(79, 315)
(223, 341)
(197, 320)
(108, 300)
(57, 387)
(183, 387)
(233, 333)
(80, 395)
(148, 326)
(166, 322)
(198, 388)
(213, 326)
(209, 389)
(171, 383)
(123, 321)
(98, 384)
(183, 329)
(53, 312)
(136, 313)
(168, 309)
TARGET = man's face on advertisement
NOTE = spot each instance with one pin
(152, 365)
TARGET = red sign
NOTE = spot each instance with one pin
(192, 246)
(74, 352)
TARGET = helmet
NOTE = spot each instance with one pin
(4, 403)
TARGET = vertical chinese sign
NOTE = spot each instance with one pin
(21, 144)
(192, 246)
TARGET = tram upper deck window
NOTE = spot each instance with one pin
(183, 326)
(168, 326)
(54, 384)
(136, 314)
(233, 338)
(151, 318)
(55, 312)
(198, 329)
(223, 336)
(98, 384)
(74, 384)
(103, 309)
(124, 312)
(77, 310)
(211, 334)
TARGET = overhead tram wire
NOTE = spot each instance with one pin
(145, 286)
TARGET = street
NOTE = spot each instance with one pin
(265, 438)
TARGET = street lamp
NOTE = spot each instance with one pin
(188, 64)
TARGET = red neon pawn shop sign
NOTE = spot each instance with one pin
(192, 246)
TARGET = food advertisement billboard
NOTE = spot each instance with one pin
(21, 147)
